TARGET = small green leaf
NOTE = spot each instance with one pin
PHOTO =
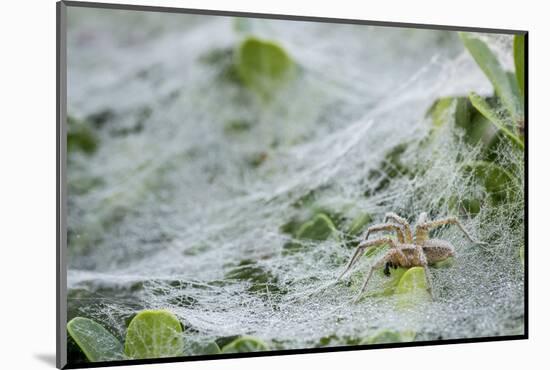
(359, 223)
(263, 66)
(490, 65)
(519, 60)
(237, 126)
(196, 249)
(446, 263)
(291, 227)
(242, 25)
(255, 160)
(390, 336)
(94, 340)
(245, 344)
(154, 334)
(320, 228)
(210, 348)
(80, 136)
(328, 340)
(493, 116)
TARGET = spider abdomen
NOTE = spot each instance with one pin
(437, 250)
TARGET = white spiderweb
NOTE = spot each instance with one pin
(177, 207)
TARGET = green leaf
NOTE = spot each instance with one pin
(496, 179)
(490, 65)
(463, 111)
(519, 60)
(390, 336)
(522, 254)
(515, 91)
(392, 167)
(471, 206)
(319, 228)
(260, 278)
(263, 66)
(457, 110)
(245, 344)
(413, 279)
(460, 112)
(412, 288)
(442, 111)
(154, 334)
(390, 283)
(484, 108)
(94, 340)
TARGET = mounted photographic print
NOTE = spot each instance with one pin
(234, 184)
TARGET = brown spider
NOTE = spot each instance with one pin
(407, 251)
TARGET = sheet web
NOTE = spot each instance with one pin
(187, 214)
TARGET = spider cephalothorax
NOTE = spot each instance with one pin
(408, 250)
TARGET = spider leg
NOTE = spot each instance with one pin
(423, 228)
(424, 263)
(399, 258)
(361, 248)
(392, 253)
(386, 227)
(401, 221)
(387, 268)
(364, 287)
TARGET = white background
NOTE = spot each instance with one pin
(27, 196)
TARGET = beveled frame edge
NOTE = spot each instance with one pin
(61, 192)
(165, 9)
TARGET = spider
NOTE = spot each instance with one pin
(408, 251)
